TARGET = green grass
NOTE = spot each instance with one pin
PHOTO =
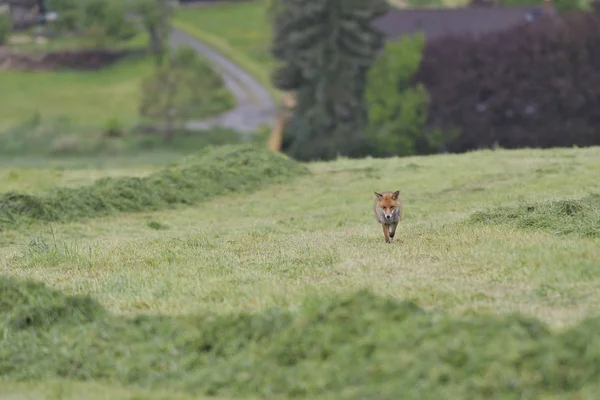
(346, 346)
(213, 172)
(241, 32)
(88, 98)
(246, 282)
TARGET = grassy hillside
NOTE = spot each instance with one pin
(274, 279)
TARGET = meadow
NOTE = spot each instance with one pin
(89, 99)
(272, 279)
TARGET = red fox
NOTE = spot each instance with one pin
(388, 212)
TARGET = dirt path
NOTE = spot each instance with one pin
(254, 105)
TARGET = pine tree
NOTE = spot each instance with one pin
(326, 48)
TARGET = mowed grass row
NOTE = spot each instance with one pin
(260, 292)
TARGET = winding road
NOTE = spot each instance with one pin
(254, 105)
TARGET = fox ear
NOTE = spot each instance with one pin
(379, 195)
(396, 195)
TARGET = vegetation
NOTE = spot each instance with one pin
(350, 346)
(241, 31)
(581, 216)
(535, 84)
(326, 50)
(177, 92)
(396, 107)
(5, 27)
(84, 97)
(156, 18)
(104, 22)
(89, 99)
(213, 172)
(290, 290)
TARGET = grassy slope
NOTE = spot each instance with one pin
(239, 31)
(89, 98)
(317, 235)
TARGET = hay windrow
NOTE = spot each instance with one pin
(214, 171)
(562, 217)
(353, 346)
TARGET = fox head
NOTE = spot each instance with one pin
(387, 204)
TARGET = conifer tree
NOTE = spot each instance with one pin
(326, 48)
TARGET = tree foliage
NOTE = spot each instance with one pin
(535, 85)
(326, 48)
(5, 27)
(176, 89)
(156, 18)
(102, 21)
(397, 109)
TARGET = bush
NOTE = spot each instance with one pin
(104, 21)
(5, 27)
(397, 109)
(535, 85)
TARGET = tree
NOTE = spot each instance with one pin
(5, 26)
(105, 21)
(156, 18)
(174, 92)
(326, 48)
(398, 109)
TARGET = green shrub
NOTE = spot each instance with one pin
(104, 21)
(5, 27)
(212, 172)
(114, 128)
(343, 346)
(397, 109)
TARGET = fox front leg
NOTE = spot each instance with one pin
(386, 233)
(393, 230)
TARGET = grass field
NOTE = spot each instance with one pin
(88, 98)
(314, 237)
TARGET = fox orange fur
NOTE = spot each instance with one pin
(388, 212)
